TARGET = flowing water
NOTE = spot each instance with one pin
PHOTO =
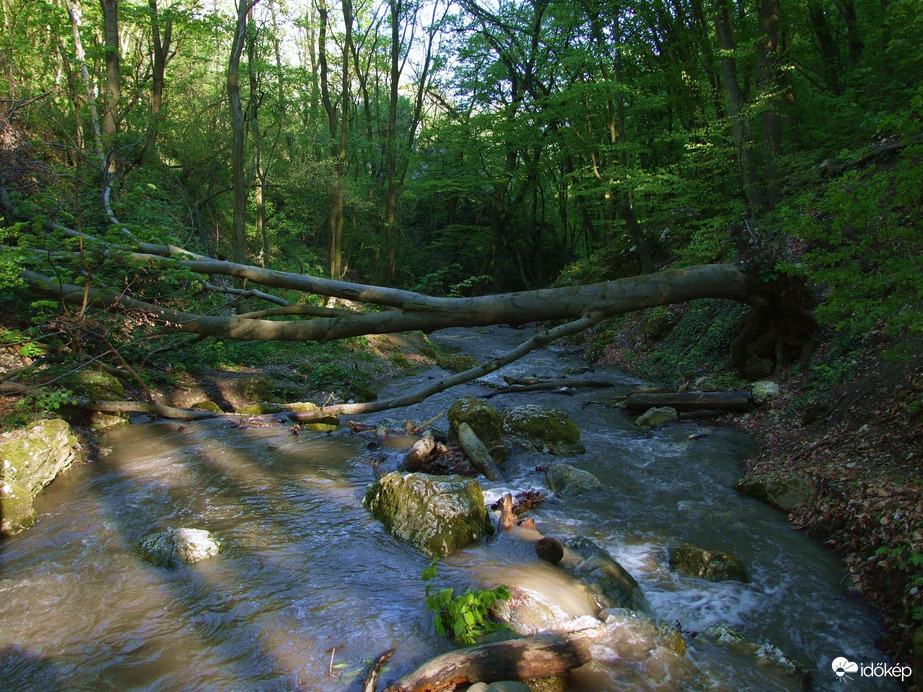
(310, 587)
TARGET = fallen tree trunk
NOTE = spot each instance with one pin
(517, 659)
(419, 312)
(690, 401)
(555, 386)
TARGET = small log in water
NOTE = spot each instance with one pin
(690, 401)
(478, 453)
(517, 659)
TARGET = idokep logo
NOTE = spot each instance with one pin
(843, 667)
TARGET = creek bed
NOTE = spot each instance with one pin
(310, 587)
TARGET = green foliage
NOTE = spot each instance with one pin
(46, 400)
(864, 238)
(465, 617)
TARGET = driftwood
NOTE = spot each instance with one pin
(690, 401)
(420, 451)
(478, 453)
(371, 680)
(519, 659)
(564, 386)
(507, 517)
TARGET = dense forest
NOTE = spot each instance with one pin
(164, 160)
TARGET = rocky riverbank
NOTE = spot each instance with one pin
(845, 433)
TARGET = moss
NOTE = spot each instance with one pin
(34, 456)
(542, 428)
(94, 384)
(434, 514)
(206, 406)
(456, 362)
(16, 511)
(483, 418)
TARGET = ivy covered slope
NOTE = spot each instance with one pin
(849, 421)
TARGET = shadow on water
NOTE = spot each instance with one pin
(27, 672)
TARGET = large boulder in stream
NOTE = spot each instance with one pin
(543, 429)
(611, 584)
(29, 460)
(175, 547)
(657, 416)
(707, 564)
(436, 514)
(483, 418)
(568, 480)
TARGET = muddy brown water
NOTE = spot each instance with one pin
(310, 587)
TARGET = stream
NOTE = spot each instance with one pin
(310, 588)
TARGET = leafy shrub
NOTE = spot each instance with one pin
(464, 617)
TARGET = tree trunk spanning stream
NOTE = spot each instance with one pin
(309, 587)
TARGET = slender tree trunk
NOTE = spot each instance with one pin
(259, 172)
(853, 32)
(161, 48)
(76, 18)
(239, 224)
(735, 101)
(828, 52)
(391, 137)
(337, 202)
(767, 80)
(113, 89)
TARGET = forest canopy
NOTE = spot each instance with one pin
(454, 149)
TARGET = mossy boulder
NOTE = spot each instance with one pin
(565, 479)
(175, 547)
(206, 405)
(34, 456)
(612, 585)
(456, 362)
(254, 389)
(435, 514)
(706, 564)
(543, 429)
(97, 385)
(657, 416)
(782, 493)
(16, 511)
(483, 418)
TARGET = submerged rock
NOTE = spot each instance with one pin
(175, 547)
(706, 564)
(483, 418)
(764, 654)
(543, 429)
(657, 416)
(781, 493)
(565, 479)
(611, 584)
(436, 514)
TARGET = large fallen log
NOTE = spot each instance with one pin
(516, 659)
(738, 401)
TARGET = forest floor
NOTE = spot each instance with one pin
(860, 445)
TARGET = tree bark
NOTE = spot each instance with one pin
(735, 101)
(691, 401)
(521, 659)
(239, 223)
(767, 71)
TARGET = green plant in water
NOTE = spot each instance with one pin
(465, 617)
